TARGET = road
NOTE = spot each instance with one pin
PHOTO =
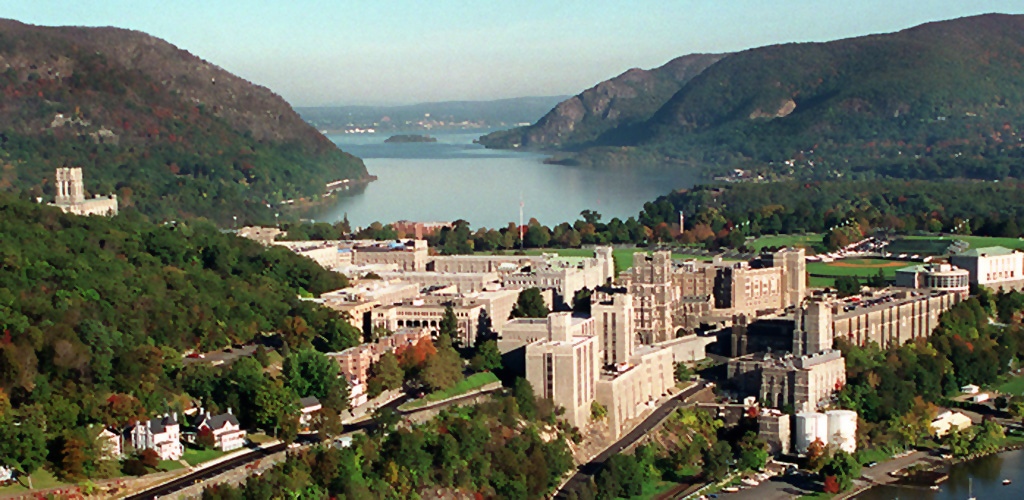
(589, 469)
(204, 474)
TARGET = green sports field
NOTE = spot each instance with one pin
(973, 241)
(810, 241)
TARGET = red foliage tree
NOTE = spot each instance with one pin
(149, 458)
(831, 484)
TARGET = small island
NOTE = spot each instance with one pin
(405, 138)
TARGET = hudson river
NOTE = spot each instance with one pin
(456, 179)
(987, 474)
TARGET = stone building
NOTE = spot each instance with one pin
(408, 255)
(565, 369)
(890, 317)
(418, 230)
(71, 199)
(464, 282)
(613, 317)
(993, 267)
(803, 382)
(939, 277)
(629, 388)
(428, 311)
(669, 296)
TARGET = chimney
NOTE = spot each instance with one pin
(229, 411)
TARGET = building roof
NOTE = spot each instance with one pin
(218, 421)
(987, 252)
(308, 402)
(159, 425)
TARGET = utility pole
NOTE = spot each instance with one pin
(520, 220)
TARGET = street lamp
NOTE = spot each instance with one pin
(276, 221)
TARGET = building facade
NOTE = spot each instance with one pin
(941, 277)
(162, 435)
(804, 383)
(71, 199)
(993, 267)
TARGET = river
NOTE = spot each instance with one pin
(456, 179)
(986, 476)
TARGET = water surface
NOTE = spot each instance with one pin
(985, 476)
(456, 179)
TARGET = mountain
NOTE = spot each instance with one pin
(611, 106)
(173, 135)
(943, 99)
(451, 115)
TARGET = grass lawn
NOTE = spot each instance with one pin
(655, 489)
(194, 456)
(819, 494)
(472, 382)
(977, 241)
(872, 455)
(862, 268)
(169, 465)
(1014, 385)
(810, 241)
(259, 438)
(41, 479)
(821, 282)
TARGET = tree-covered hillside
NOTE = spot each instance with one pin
(97, 313)
(939, 100)
(171, 134)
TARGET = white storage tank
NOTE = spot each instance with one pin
(810, 426)
(842, 429)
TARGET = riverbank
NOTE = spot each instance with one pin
(931, 461)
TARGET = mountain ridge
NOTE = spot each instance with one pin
(940, 98)
(113, 99)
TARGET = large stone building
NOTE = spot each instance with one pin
(70, 195)
(804, 383)
(888, 317)
(428, 311)
(565, 368)
(993, 267)
(629, 388)
(669, 296)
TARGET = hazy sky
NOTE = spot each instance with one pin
(396, 52)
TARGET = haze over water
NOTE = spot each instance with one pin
(456, 179)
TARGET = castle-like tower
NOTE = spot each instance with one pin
(70, 186)
(71, 195)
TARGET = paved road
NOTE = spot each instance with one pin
(589, 469)
(207, 473)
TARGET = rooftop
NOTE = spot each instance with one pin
(987, 252)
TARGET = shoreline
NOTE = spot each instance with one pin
(943, 462)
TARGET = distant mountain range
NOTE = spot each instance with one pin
(942, 99)
(172, 134)
(451, 115)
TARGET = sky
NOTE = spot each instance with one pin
(389, 52)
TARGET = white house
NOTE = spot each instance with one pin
(970, 389)
(6, 474)
(162, 436)
(111, 443)
(227, 432)
(309, 407)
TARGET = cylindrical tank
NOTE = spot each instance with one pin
(809, 427)
(842, 429)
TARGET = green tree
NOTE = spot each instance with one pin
(443, 369)
(844, 467)
(597, 411)
(847, 286)
(525, 399)
(530, 304)
(682, 372)
(273, 404)
(487, 357)
(388, 372)
(716, 459)
(310, 373)
(449, 324)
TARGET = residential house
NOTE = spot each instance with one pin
(110, 443)
(162, 435)
(309, 407)
(227, 432)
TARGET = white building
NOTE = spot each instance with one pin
(71, 195)
(110, 443)
(162, 436)
(227, 432)
(993, 267)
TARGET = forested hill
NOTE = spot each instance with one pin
(96, 314)
(943, 99)
(173, 135)
(612, 106)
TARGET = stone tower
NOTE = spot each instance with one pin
(70, 187)
(818, 326)
(613, 319)
(794, 274)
